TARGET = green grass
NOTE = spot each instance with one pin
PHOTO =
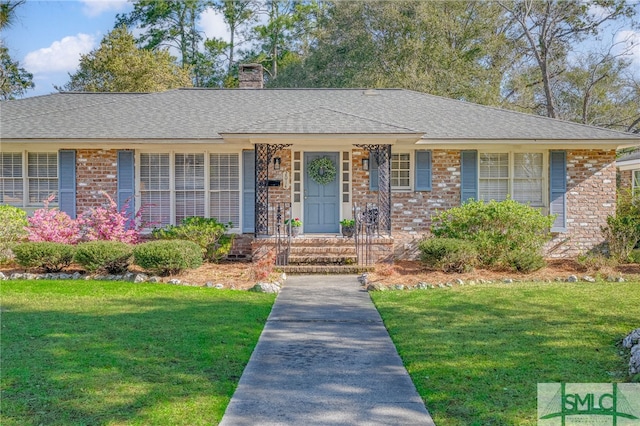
(476, 353)
(109, 353)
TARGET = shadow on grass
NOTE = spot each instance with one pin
(477, 354)
(150, 359)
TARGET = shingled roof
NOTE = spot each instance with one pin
(209, 114)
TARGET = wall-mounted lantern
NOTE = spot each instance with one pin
(276, 163)
(365, 164)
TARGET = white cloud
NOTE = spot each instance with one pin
(63, 55)
(93, 8)
(212, 23)
(630, 41)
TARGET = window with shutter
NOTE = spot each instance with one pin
(515, 175)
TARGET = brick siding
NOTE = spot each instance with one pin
(96, 171)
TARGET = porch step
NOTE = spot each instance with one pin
(323, 259)
(324, 269)
(323, 251)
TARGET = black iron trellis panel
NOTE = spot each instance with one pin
(382, 154)
(264, 155)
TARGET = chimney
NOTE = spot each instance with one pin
(250, 76)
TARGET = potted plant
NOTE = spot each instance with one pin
(348, 227)
(294, 224)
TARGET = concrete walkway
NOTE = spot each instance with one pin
(325, 358)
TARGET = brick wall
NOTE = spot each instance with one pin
(625, 179)
(591, 189)
(591, 197)
(96, 171)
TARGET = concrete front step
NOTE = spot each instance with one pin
(323, 251)
(322, 259)
(324, 269)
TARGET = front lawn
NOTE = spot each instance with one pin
(476, 353)
(113, 353)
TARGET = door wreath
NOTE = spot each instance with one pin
(322, 170)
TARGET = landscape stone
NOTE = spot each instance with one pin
(3, 277)
(508, 281)
(76, 275)
(572, 279)
(422, 286)
(219, 286)
(140, 278)
(175, 281)
(17, 276)
(632, 338)
(265, 288)
(155, 279)
(129, 276)
(208, 284)
(458, 281)
(398, 287)
(589, 279)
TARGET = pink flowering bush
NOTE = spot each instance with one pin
(97, 224)
(109, 224)
(52, 225)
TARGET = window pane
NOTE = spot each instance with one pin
(155, 208)
(11, 188)
(527, 182)
(494, 165)
(189, 171)
(189, 203)
(493, 189)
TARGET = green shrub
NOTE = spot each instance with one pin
(623, 230)
(14, 221)
(634, 256)
(110, 256)
(596, 261)
(44, 255)
(207, 233)
(448, 254)
(167, 257)
(505, 233)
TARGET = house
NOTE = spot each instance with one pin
(238, 155)
(629, 171)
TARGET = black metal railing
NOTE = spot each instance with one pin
(367, 226)
(282, 230)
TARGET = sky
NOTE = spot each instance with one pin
(48, 37)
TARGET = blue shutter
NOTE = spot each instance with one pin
(67, 182)
(126, 182)
(423, 170)
(468, 175)
(558, 189)
(373, 172)
(248, 191)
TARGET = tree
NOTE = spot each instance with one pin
(118, 65)
(548, 29)
(457, 49)
(7, 12)
(169, 23)
(14, 80)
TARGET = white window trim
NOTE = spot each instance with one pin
(172, 184)
(511, 152)
(634, 186)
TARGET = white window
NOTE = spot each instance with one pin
(189, 186)
(155, 189)
(400, 171)
(224, 187)
(40, 179)
(516, 175)
(636, 182)
(174, 186)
